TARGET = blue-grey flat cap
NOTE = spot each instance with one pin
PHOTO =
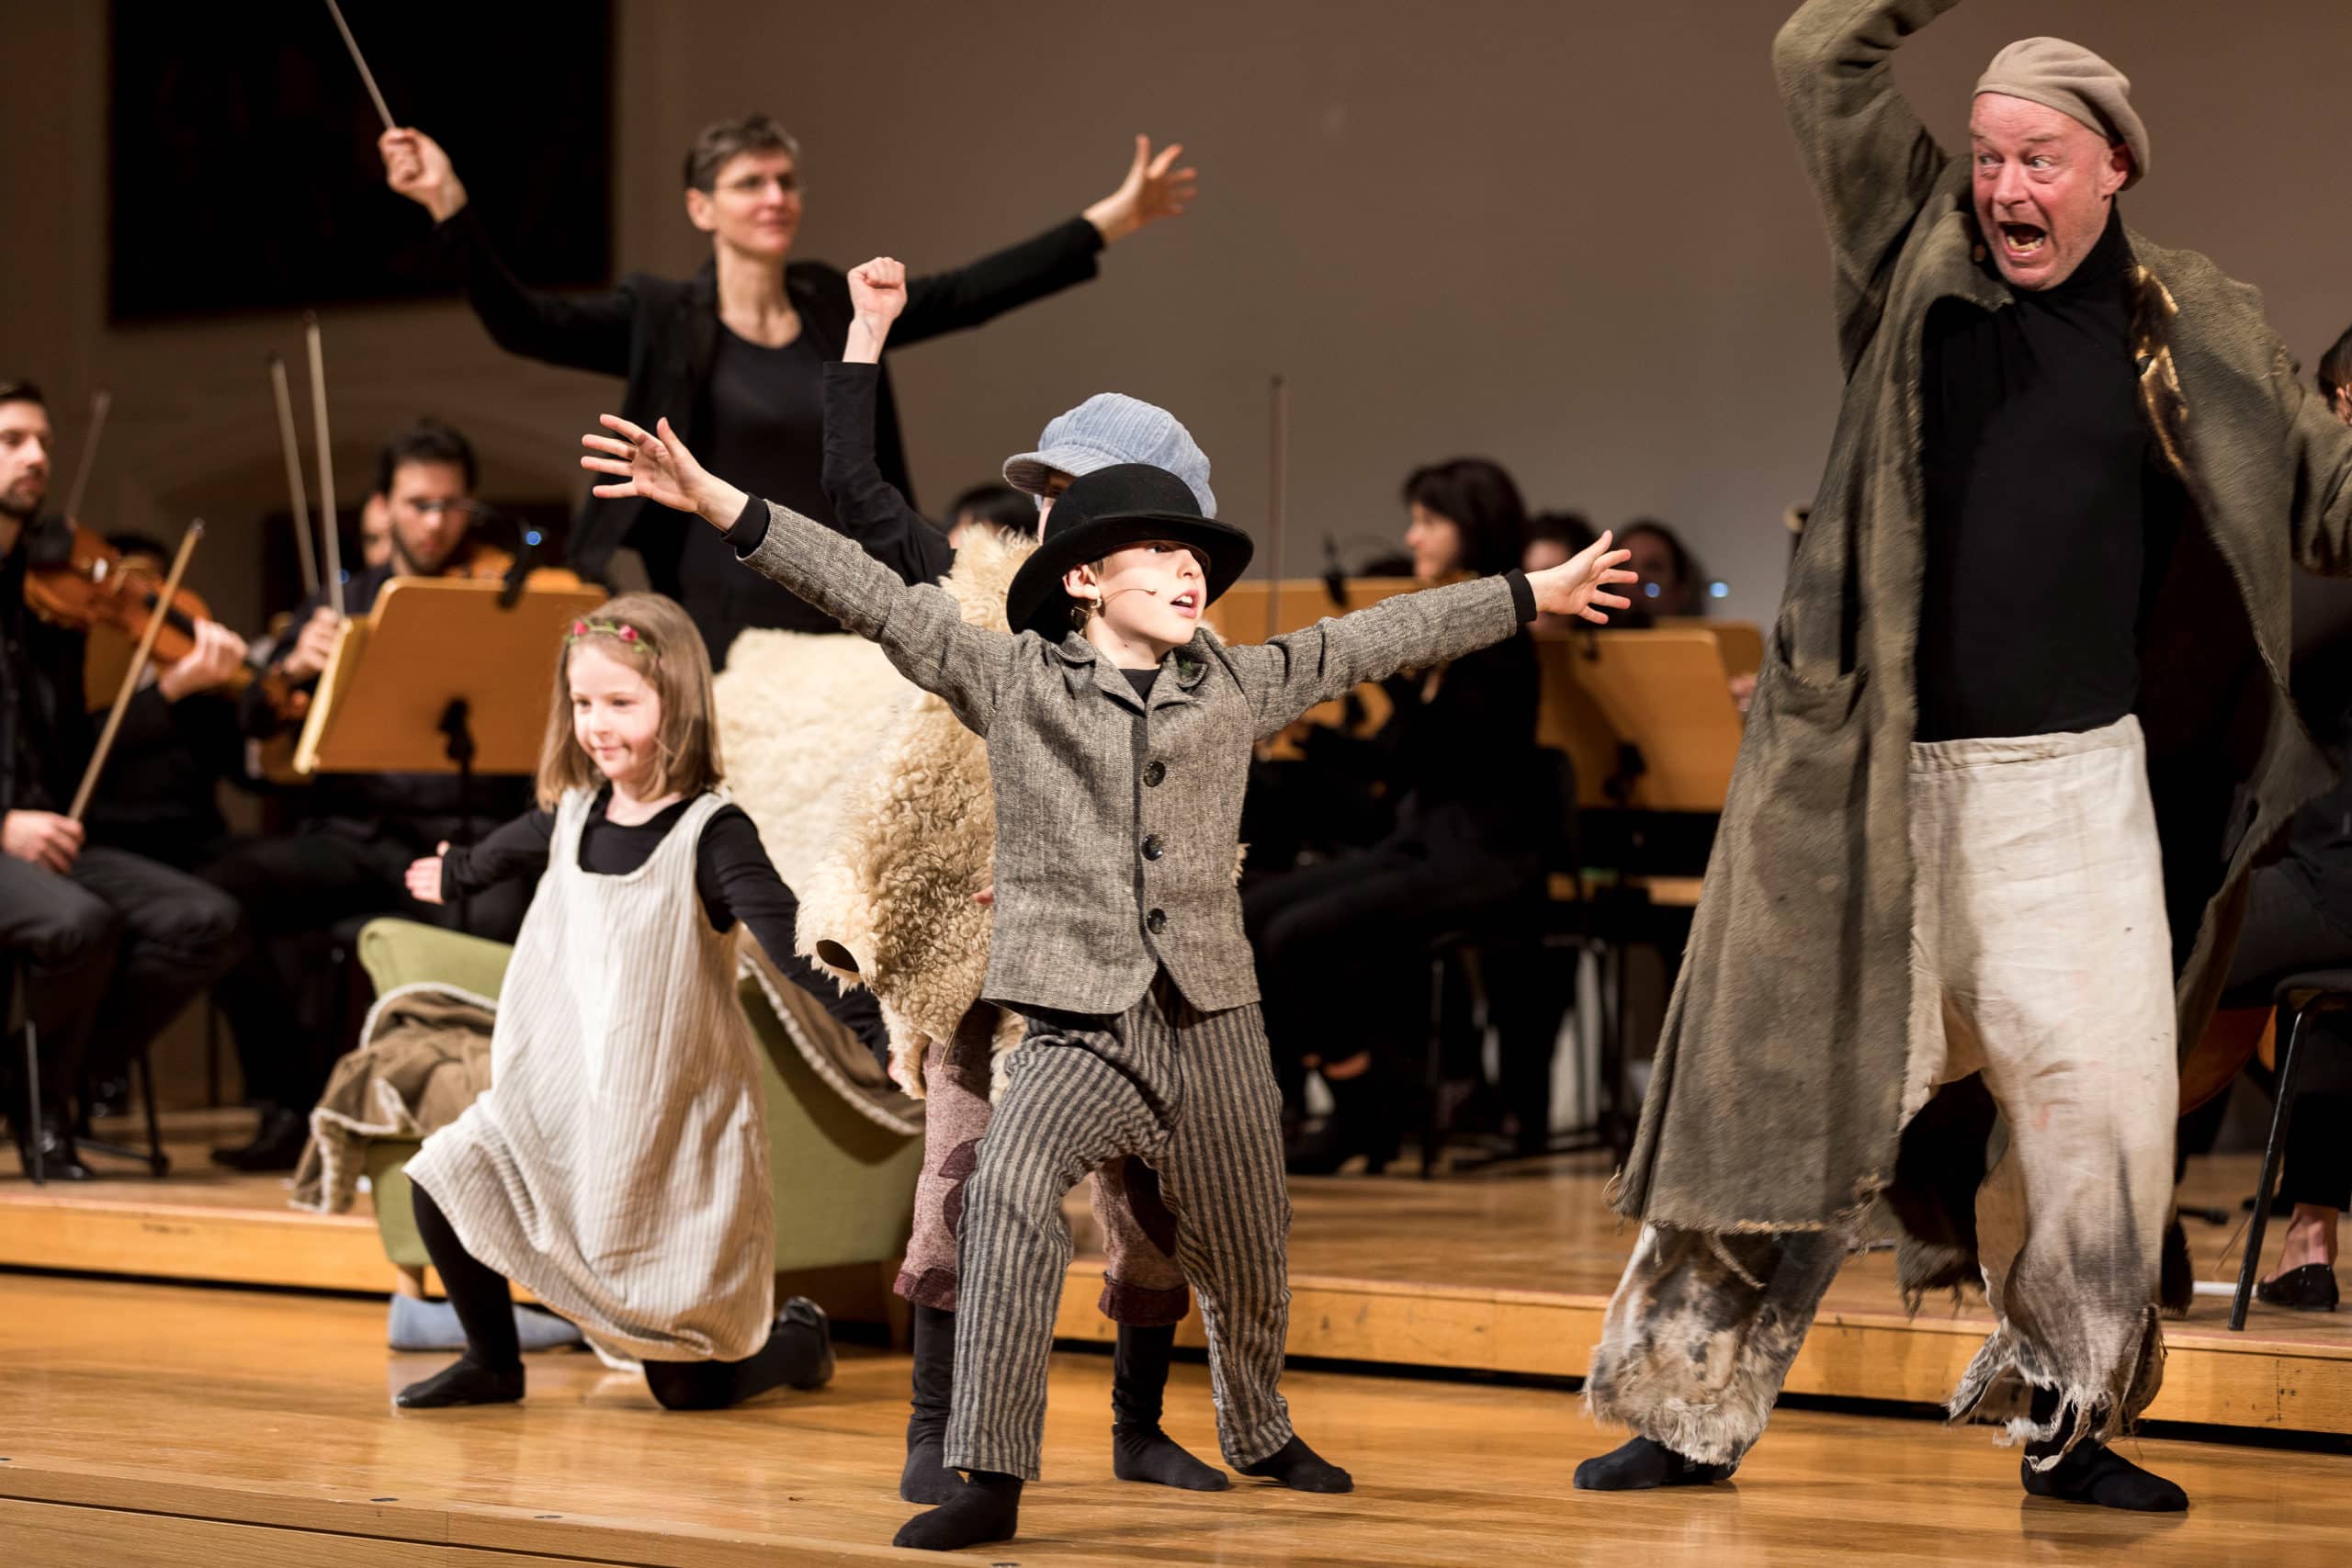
(1109, 428)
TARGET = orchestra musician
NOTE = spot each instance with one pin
(348, 860)
(109, 945)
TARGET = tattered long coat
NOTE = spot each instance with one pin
(1776, 1101)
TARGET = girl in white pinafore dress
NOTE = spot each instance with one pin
(617, 1164)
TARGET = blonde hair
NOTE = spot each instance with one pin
(654, 637)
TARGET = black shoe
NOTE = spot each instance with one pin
(276, 1145)
(60, 1161)
(2310, 1288)
(2096, 1474)
(808, 1315)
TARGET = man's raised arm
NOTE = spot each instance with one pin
(1871, 161)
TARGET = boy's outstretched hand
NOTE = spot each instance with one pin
(1574, 586)
(659, 468)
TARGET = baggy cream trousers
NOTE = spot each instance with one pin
(2041, 960)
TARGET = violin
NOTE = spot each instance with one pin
(94, 586)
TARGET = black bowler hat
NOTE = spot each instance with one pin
(1126, 504)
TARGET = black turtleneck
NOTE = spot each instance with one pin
(2036, 470)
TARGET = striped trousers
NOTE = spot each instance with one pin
(1193, 1095)
(1142, 1286)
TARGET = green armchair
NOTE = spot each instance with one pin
(843, 1182)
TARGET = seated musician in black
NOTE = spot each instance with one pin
(1341, 946)
(733, 356)
(359, 832)
(109, 946)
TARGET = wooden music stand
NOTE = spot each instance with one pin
(1647, 717)
(440, 678)
(1240, 617)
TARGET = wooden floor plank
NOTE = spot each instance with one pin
(1506, 1271)
(153, 1424)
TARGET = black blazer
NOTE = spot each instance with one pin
(663, 333)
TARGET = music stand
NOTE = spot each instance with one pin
(1647, 716)
(1241, 616)
(441, 678)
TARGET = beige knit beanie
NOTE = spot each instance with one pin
(2078, 84)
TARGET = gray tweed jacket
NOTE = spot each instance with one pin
(1117, 819)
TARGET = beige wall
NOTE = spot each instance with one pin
(1571, 235)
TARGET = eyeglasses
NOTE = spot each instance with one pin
(755, 184)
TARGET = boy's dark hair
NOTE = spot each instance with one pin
(16, 392)
(1572, 529)
(2336, 366)
(426, 441)
(1477, 495)
(1000, 506)
(730, 138)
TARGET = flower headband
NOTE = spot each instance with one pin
(620, 629)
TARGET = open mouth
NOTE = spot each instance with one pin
(2023, 241)
(1187, 602)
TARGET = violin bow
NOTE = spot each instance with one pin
(100, 400)
(286, 439)
(360, 60)
(329, 525)
(1277, 497)
(138, 668)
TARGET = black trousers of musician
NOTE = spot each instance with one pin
(793, 1356)
(113, 950)
(1342, 953)
(298, 893)
(2286, 934)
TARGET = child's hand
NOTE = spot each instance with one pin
(1573, 587)
(878, 292)
(425, 876)
(660, 469)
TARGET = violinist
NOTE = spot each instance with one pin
(347, 861)
(109, 945)
(159, 794)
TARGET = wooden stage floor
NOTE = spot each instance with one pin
(1506, 1271)
(149, 1425)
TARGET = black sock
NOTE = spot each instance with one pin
(2092, 1472)
(1139, 1450)
(926, 1478)
(1638, 1465)
(1297, 1466)
(986, 1507)
(463, 1381)
(484, 1305)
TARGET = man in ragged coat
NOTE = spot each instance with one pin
(2022, 728)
